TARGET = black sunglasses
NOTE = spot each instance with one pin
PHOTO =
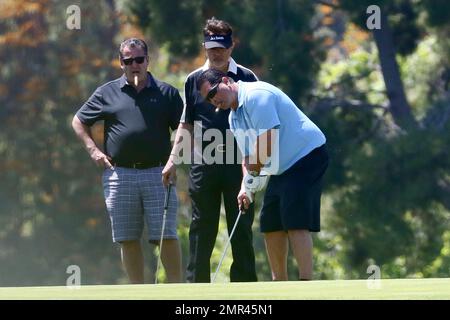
(129, 61)
(213, 91)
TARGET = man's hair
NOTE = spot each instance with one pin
(133, 43)
(212, 76)
(216, 26)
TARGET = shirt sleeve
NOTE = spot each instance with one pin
(261, 110)
(188, 110)
(177, 109)
(92, 110)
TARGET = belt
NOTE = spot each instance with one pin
(138, 165)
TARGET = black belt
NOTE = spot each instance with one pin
(138, 165)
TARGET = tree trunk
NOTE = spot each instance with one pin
(398, 104)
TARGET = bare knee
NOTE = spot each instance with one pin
(299, 233)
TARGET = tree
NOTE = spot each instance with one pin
(386, 183)
(389, 186)
(51, 215)
(274, 37)
(399, 33)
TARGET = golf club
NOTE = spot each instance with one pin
(166, 205)
(227, 245)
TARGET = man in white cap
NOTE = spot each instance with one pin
(209, 182)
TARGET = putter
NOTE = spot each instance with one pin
(166, 205)
(227, 245)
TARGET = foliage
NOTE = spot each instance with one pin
(388, 206)
(274, 37)
(403, 16)
(386, 197)
(51, 214)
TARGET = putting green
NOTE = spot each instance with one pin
(339, 289)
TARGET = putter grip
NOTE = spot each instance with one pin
(166, 200)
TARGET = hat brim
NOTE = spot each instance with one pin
(215, 44)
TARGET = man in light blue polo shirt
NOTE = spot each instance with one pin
(279, 140)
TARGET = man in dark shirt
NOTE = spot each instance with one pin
(208, 182)
(138, 111)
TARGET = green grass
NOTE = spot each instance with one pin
(340, 289)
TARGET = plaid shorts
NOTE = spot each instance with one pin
(131, 195)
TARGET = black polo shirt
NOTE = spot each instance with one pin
(136, 124)
(202, 112)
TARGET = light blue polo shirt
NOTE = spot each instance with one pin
(262, 106)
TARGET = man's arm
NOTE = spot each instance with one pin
(254, 163)
(184, 131)
(244, 198)
(83, 132)
(263, 151)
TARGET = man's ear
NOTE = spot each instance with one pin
(225, 80)
(121, 63)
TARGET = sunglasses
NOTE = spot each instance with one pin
(212, 92)
(129, 61)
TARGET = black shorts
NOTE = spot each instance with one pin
(292, 199)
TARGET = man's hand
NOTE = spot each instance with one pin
(83, 132)
(244, 199)
(101, 159)
(169, 173)
(250, 185)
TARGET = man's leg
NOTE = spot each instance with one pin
(125, 212)
(302, 247)
(243, 266)
(133, 260)
(301, 193)
(277, 252)
(202, 233)
(153, 198)
(171, 259)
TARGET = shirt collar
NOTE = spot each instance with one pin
(232, 66)
(150, 81)
(241, 94)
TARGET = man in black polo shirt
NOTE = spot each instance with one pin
(209, 182)
(138, 111)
